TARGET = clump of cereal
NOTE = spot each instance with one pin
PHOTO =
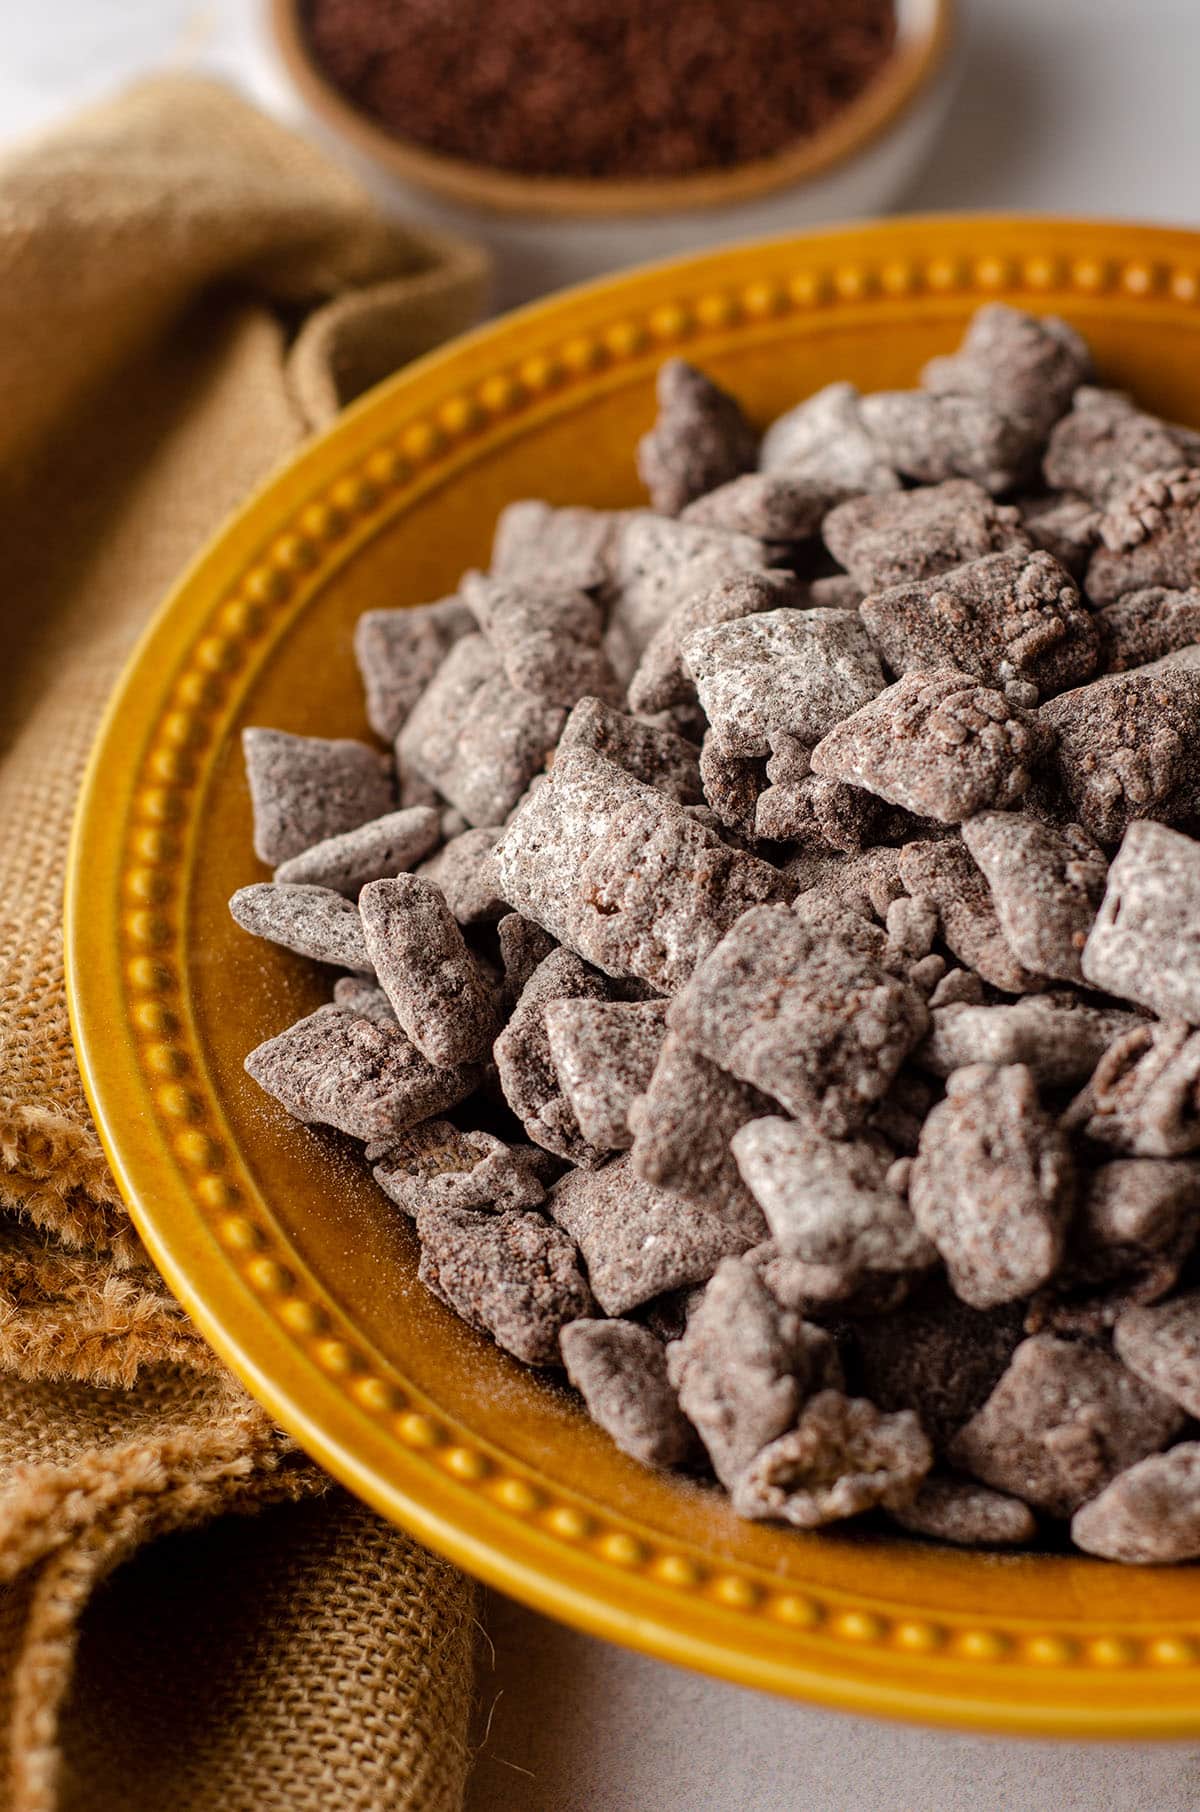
(1145, 943)
(604, 1053)
(1142, 626)
(937, 744)
(313, 921)
(1010, 616)
(1128, 746)
(1106, 443)
(1046, 886)
(967, 1514)
(897, 537)
(801, 1005)
(653, 755)
(438, 991)
(1063, 1421)
(744, 1366)
(386, 846)
(1058, 1037)
(783, 673)
(1028, 366)
(945, 873)
(399, 651)
(700, 441)
(306, 788)
(683, 1125)
(620, 1371)
(825, 440)
(511, 1275)
(439, 1166)
(1149, 1515)
(1151, 536)
(661, 678)
(993, 1185)
(843, 1456)
(1143, 1098)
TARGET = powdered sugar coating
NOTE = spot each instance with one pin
(784, 672)
(1046, 885)
(313, 921)
(636, 1240)
(744, 1366)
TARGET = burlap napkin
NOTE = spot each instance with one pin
(187, 291)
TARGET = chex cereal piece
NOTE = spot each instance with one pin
(773, 506)
(1107, 443)
(475, 737)
(660, 564)
(1063, 525)
(827, 1291)
(938, 744)
(523, 945)
(618, 872)
(1150, 536)
(1161, 1343)
(993, 1184)
(842, 1457)
(1149, 1515)
(934, 1355)
(399, 651)
(440, 994)
(655, 756)
(784, 672)
(683, 1124)
(620, 1371)
(965, 1513)
(1062, 1422)
(700, 440)
(304, 789)
(340, 1068)
(534, 543)
(513, 1275)
(816, 809)
(436, 1166)
(744, 1366)
(1145, 943)
(1058, 1037)
(1142, 626)
(1003, 617)
(636, 1240)
(1027, 365)
(1144, 1096)
(830, 1202)
(932, 438)
(661, 679)
(824, 440)
(1139, 1202)
(548, 638)
(460, 869)
(732, 787)
(867, 884)
(364, 995)
(522, 1053)
(313, 921)
(1046, 885)
(1129, 747)
(386, 846)
(604, 1054)
(947, 874)
(799, 1004)
(900, 536)
(959, 987)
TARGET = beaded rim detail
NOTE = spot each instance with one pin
(231, 643)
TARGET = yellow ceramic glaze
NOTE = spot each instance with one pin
(276, 1239)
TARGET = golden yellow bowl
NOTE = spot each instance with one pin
(276, 1239)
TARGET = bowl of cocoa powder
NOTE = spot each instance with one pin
(617, 129)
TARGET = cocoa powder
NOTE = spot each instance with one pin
(622, 88)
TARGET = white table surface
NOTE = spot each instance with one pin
(1072, 106)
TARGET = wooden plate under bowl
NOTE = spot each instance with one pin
(276, 1239)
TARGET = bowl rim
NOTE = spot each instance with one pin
(907, 73)
(959, 1640)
